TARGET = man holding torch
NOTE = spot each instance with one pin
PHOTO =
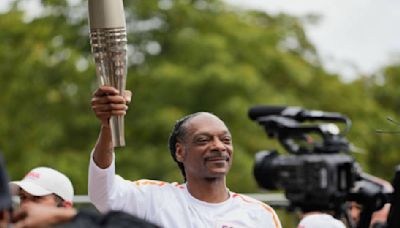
(201, 145)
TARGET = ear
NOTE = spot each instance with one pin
(179, 152)
(67, 204)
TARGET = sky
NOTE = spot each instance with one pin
(352, 37)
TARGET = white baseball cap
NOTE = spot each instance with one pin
(320, 220)
(43, 181)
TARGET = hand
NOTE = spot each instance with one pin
(4, 218)
(37, 215)
(381, 215)
(107, 102)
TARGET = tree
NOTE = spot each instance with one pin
(184, 56)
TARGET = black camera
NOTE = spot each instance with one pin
(318, 174)
(311, 181)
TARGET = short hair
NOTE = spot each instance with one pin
(178, 133)
(59, 201)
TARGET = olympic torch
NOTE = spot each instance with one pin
(109, 44)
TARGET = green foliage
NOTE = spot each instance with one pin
(185, 56)
(382, 88)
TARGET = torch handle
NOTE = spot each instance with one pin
(117, 131)
(109, 50)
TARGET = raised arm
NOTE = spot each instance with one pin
(106, 102)
(102, 180)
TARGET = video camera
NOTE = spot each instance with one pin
(318, 174)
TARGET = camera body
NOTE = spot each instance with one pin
(318, 173)
(311, 181)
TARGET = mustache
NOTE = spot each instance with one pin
(218, 156)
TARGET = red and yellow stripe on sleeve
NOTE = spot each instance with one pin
(263, 205)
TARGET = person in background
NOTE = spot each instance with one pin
(319, 220)
(46, 186)
(379, 217)
(5, 197)
(32, 215)
(201, 145)
(46, 201)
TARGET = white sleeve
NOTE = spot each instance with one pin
(108, 191)
(100, 184)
